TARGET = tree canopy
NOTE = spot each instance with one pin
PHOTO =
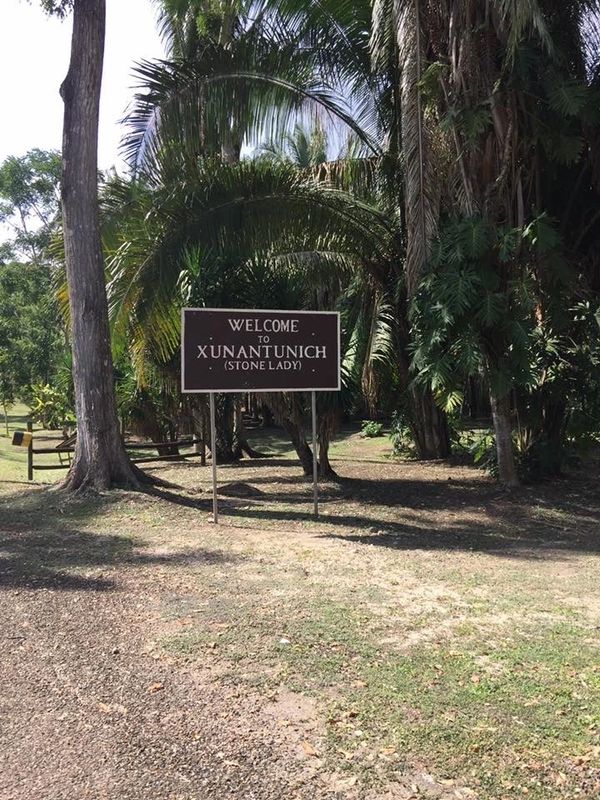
(430, 169)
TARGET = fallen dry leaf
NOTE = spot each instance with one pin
(309, 749)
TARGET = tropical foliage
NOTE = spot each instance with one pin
(32, 343)
(443, 159)
(429, 169)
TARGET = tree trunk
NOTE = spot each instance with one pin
(301, 446)
(326, 471)
(507, 472)
(553, 427)
(288, 412)
(100, 460)
(267, 416)
(225, 424)
(428, 423)
(430, 426)
(327, 419)
(198, 413)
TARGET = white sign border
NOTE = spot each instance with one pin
(261, 391)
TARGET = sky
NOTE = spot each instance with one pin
(34, 57)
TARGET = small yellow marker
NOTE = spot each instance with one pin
(22, 438)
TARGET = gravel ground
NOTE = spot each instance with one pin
(89, 710)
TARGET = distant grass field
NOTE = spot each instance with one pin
(13, 460)
(346, 445)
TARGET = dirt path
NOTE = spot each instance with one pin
(88, 710)
(148, 654)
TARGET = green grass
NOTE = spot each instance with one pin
(347, 444)
(13, 460)
(507, 709)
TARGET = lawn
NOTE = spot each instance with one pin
(13, 460)
(441, 634)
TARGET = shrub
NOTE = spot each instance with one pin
(371, 429)
(50, 407)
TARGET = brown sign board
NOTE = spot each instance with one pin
(231, 350)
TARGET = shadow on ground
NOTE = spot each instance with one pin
(44, 542)
(41, 546)
(432, 515)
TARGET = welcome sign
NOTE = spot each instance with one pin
(231, 350)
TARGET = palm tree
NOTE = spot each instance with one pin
(498, 104)
(440, 99)
(254, 234)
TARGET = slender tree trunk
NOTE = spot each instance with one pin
(100, 460)
(225, 424)
(287, 411)
(242, 445)
(507, 471)
(198, 413)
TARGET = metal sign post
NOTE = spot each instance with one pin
(213, 455)
(260, 350)
(315, 463)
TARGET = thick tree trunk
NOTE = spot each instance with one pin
(326, 471)
(507, 471)
(430, 426)
(298, 439)
(268, 419)
(327, 420)
(100, 460)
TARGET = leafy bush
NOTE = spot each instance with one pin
(401, 435)
(482, 448)
(50, 407)
(371, 429)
